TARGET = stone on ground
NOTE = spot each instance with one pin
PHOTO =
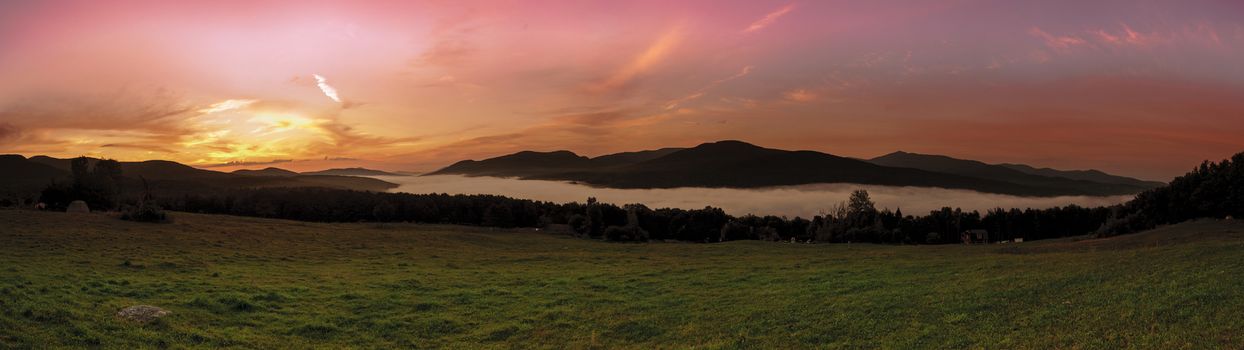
(77, 207)
(142, 313)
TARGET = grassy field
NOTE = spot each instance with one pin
(255, 283)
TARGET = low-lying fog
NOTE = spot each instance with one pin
(803, 200)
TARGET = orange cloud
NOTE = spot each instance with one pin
(704, 90)
(226, 105)
(448, 52)
(769, 18)
(801, 95)
(651, 56)
(8, 132)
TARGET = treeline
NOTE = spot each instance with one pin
(99, 186)
(856, 220)
(1213, 190)
(102, 189)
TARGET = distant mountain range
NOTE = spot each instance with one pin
(739, 164)
(334, 172)
(27, 175)
(1068, 181)
(266, 172)
(352, 172)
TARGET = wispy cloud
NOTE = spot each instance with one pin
(704, 90)
(243, 163)
(8, 132)
(226, 105)
(158, 112)
(769, 18)
(1126, 36)
(447, 52)
(141, 147)
(327, 89)
(801, 95)
(651, 56)
(1058, 43)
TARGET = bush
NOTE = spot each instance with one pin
(733, 231)
(626, 234)
(578, 224)
(1114, 226)
(498, 215)
(145, 212)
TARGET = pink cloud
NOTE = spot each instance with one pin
(769, 18)
(1058, 43)
(1128, 37)
(801, 95)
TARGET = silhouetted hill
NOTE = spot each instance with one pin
(1086, 175)
(167, 177)
(743, 165)
(943, 164)
(17, 172)
(16, 166)
(625, 158)
(521, 164)
(357, 183)
(265, 172)
(58, 163)
(150, 169)
(352, 172)
(163, 169)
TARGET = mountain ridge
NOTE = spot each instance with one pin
(356, 171)
(1015, 173)
(168, 176)
(738, 164)
(269, 171)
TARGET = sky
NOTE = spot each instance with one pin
(1141, 88)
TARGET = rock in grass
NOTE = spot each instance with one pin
(142, 313)
(78, 207)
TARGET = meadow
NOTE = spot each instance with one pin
(235, 282)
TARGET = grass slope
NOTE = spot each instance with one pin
(256, 283)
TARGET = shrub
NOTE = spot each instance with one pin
(498, 215)
(1114, 226)
(145, 212)
(626, 234)
(578, 223)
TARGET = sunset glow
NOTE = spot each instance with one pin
(1141, 88)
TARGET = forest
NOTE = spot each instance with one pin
(1212, 190)
(857, 220)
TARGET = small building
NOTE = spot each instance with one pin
(77, 207)
(975, 236)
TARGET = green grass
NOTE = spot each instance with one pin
(255, 283)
